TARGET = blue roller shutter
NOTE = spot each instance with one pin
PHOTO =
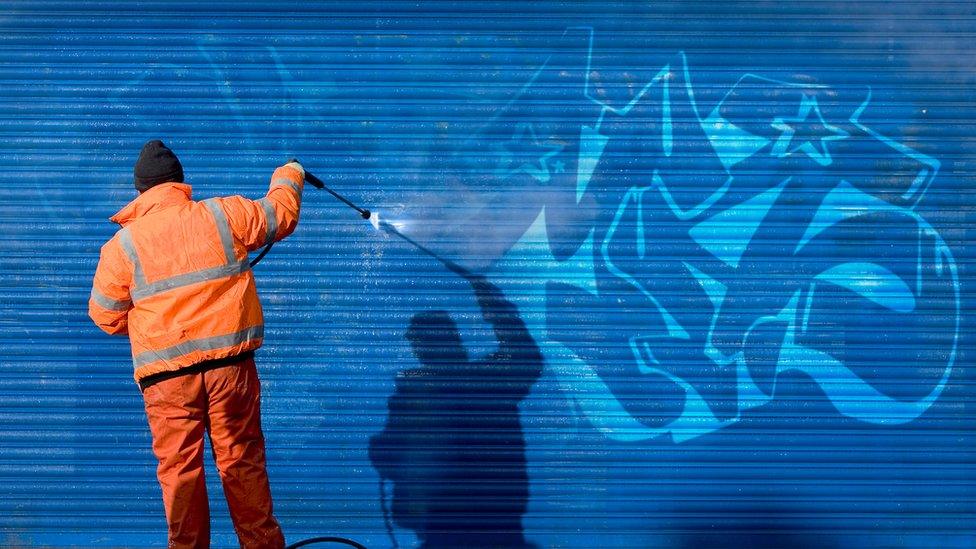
(737, 236)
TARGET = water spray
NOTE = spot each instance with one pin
(377, 223)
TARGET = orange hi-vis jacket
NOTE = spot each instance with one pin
(176, 277)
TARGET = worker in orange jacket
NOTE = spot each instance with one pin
(176, 279)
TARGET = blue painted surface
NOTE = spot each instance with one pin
(738, 233)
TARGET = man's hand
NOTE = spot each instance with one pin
(294, 164)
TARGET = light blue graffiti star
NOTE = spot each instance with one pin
(782, 147)
(525, 153)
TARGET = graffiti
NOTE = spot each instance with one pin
(775, 236)
(786, 142)
(521, 154)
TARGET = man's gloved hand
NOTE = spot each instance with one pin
(293, 163)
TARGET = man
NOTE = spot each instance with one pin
(176, 279)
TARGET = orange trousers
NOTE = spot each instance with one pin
(225, 401)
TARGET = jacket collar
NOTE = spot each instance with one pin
(156, 198)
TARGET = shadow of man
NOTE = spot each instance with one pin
(453, 444)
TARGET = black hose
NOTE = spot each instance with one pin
(264, 252)
(326, 539)
(386, 515)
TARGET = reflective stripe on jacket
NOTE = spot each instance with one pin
(176, 277)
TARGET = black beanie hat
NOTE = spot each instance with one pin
(156, 164)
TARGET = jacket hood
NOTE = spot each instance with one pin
(156, 198)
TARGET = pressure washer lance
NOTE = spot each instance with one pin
(377, 223)
(373, 218)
